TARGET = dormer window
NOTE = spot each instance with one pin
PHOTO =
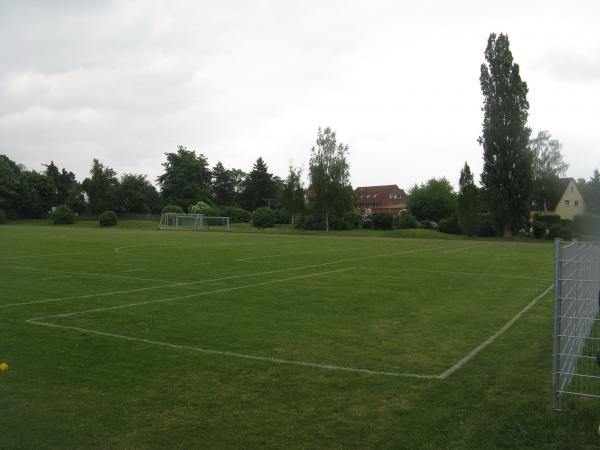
(567, 202)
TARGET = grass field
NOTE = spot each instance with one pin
(136, 338)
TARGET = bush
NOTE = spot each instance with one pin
(353, 218)
(549, 219)
(539, 229)
(236, 215)
(487, 227)
(281, 216)
(383, 221)
(450, 225)
(108, 219)
(172, 209)
(3, 218)
(62, 215)
(405, 220)
(263, 218)
(559, 231)
(587, 224)
(199, 208)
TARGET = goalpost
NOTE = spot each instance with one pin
(193, 222)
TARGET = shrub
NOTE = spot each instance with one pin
(549, 219)
(263, 218)
(383, 221)
(450, 225)
(200, 208)
(172, 209)
(281, 216)
(236, 215)
(587, 224)
(108, 219)
(486, 225)
(3, 218)
(353, 218)
(559, 231)
(405, 220)
(539, 229)
(62, 215)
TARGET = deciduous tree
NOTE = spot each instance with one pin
(292, 195)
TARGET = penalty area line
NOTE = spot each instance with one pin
(492, 338)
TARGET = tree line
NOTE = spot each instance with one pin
(520, 174)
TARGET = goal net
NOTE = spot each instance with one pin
(176, 221)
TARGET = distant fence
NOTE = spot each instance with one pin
(576, 330)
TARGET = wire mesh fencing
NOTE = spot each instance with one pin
(576, 331)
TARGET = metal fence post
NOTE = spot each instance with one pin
(556, 329)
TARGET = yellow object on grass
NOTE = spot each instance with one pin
(3, 367)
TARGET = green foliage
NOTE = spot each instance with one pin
(332, 194)
(548, 167)
(108, 219)
(36, 195)
(63, 182)
(559, 231)
(172, 209)
(450, 225)
(281, 216)
(222, 186)
(200, 208)
(263, 218)
(507, 160)
(236, 215)
(135, 194)
(433, 200)
(590, 190)
(539, 229)
(587, 225)
(548, 219)
(101, 188)
(62, 215)
(487, 227)
(292, 195)
(186, 178)
(259, 187)
(405, 220)
(468, 203)
(10, 179)
(383, 221)
(3, 218)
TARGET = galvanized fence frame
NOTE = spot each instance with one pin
(576, 326)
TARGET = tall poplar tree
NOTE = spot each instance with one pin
(292, 195)
(507, 160)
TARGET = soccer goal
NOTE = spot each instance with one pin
(576, 335)
(194, 222)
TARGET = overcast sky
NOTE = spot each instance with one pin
(125, 82)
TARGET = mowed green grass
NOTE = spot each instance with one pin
(150, 339)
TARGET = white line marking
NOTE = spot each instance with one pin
(239, 355)
(492, 338)
(231, 277)
(477, 274)
(57, 278)
(84, 274)
(253, 258)
(133, 270)
(197, 294)
(466, 248)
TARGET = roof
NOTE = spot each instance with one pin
(379, 192)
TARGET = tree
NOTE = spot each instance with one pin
(63, 181)
(292, 195)
(137, 195)
(259, 188)
(186, 179)
(468, 202)
(434, 200)
(101, 188)
(223, 189)
(10, 180)
(548, 167)
(507, 161)
(332, 192)
(36, 194)
(590, 190)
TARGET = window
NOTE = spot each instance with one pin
(567, 203)
(576, 202)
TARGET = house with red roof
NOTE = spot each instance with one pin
(379, 199)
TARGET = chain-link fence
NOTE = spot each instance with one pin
(576, 336)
